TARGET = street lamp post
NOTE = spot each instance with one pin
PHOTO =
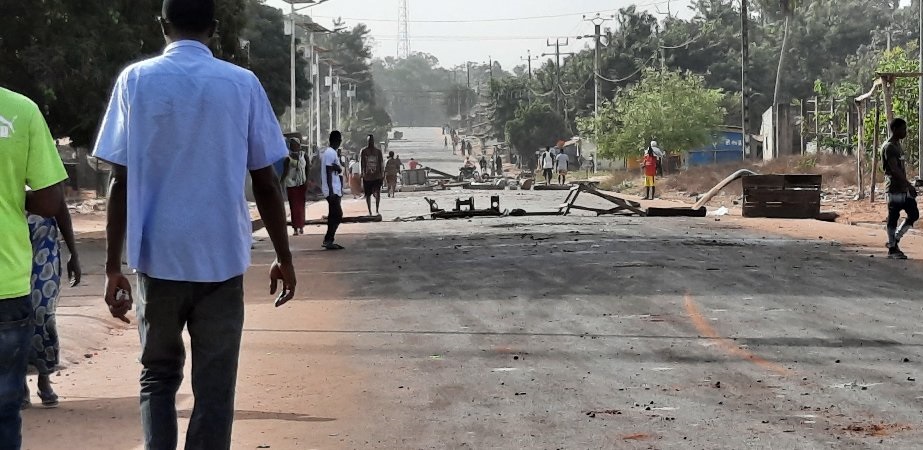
(291, 22)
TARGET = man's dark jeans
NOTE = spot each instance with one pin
(334, 217)
(15, 331)
(214, 316)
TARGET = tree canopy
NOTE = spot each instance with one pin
(71, 78)
(534, 126)
(673, 108)
(269, 56)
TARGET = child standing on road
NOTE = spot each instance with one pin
(649, 164)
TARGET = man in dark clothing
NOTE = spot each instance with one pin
(902, 196)
(332, 188)
(372, 163)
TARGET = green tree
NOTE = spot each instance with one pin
(535, 126)
(270, 56)
(351, 54)
(66, 54)
(675, 109)
(507, 96)
(414, 88)
(904, 100)
(459, 100)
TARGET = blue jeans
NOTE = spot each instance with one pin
(214, 316)
(15, 331)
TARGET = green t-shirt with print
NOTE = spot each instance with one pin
(28, 157)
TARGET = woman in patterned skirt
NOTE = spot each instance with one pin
(46, 280)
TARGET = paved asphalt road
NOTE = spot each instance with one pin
(570, 332)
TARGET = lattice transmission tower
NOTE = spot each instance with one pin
(403, 37)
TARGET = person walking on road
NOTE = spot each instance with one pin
(295, 180)
(44, 351)
(498, 163)
(546, 163)
(181, 131)
(482, 163)
(902, 195)
(649, 165)
(28, 159)
(392, 170)
(372, 161)
(332, 188)
(446, 142)
(355, 178)
(562, 161)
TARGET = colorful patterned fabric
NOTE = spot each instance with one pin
(46, 283)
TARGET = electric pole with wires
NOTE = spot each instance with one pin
(598, 21)
(557, 69)
(529, 60)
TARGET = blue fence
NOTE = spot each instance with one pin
(727, 147)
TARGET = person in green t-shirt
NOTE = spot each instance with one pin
(29, 161)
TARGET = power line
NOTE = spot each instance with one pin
(505, 19)
(464, 37)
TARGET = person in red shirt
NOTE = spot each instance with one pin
(413, 164)
(649, 164)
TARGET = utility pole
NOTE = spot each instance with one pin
(920, 105)
(529, 60)
(317, 93)
(311, 70)
(557, 68)
(490, 60)
(598, 21)
(292, 124)
(744, 74)
(339, 96)
(330, 99)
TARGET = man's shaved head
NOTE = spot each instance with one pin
(190, 16)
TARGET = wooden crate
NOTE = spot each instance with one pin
(782, 196)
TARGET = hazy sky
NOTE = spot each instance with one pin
(469, 30)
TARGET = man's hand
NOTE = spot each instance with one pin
(118, 295)
(286, 273)
(73, 270)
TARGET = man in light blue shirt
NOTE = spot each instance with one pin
(182, 131)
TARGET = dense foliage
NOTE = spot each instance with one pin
(674, 109)
(837, 42)
(65, 54)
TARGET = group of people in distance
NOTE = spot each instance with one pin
(366, 175)
(552, 160)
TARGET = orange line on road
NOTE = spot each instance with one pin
(728, 346)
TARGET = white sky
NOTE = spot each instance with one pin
(455, 41)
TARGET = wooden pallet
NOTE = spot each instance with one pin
(782, 196)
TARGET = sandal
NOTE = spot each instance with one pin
(49, 399)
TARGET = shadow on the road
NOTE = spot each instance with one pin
(266, 415)
(102, 423)
(760, 341)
